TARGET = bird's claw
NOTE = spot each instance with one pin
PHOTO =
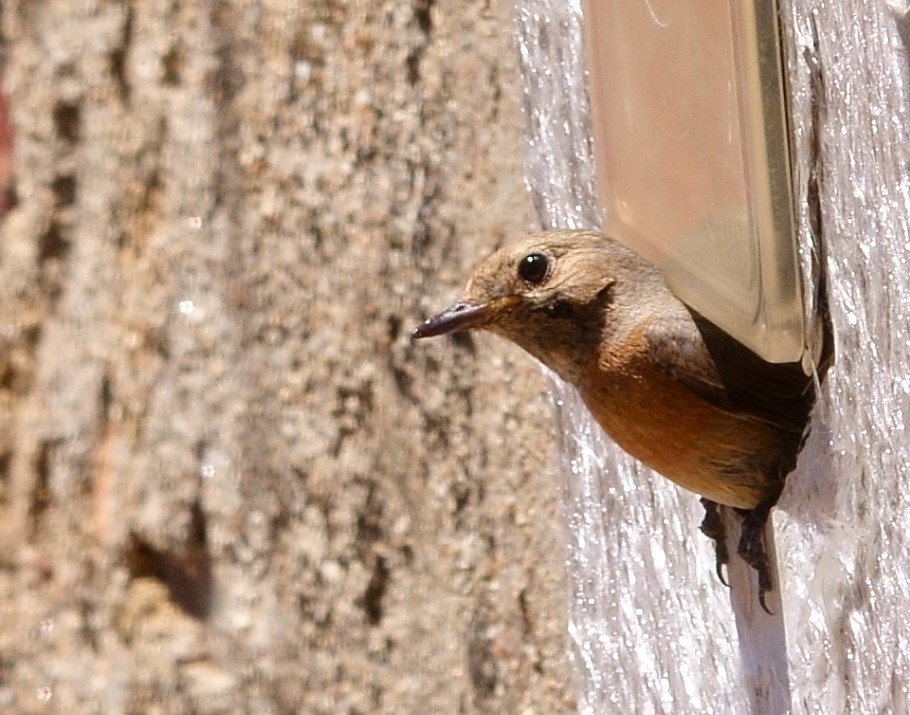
(712, 526)
(753, 550)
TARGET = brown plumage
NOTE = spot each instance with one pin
(666, 385)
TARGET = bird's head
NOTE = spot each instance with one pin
(549, 293)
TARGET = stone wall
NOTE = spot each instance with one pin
(229, 482)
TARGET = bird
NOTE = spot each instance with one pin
(669, 387)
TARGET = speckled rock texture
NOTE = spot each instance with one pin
(229, 482)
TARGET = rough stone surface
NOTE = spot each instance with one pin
(229, 483)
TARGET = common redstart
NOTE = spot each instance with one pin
(668, 386)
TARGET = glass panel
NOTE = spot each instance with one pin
(692, 156)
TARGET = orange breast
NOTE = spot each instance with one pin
(722, 456)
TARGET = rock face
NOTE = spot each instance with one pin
(229, 483)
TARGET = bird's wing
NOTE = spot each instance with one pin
(681, 353)
(725, 373)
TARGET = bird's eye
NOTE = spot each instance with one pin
(533, 268)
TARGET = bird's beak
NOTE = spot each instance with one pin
(463, 316)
